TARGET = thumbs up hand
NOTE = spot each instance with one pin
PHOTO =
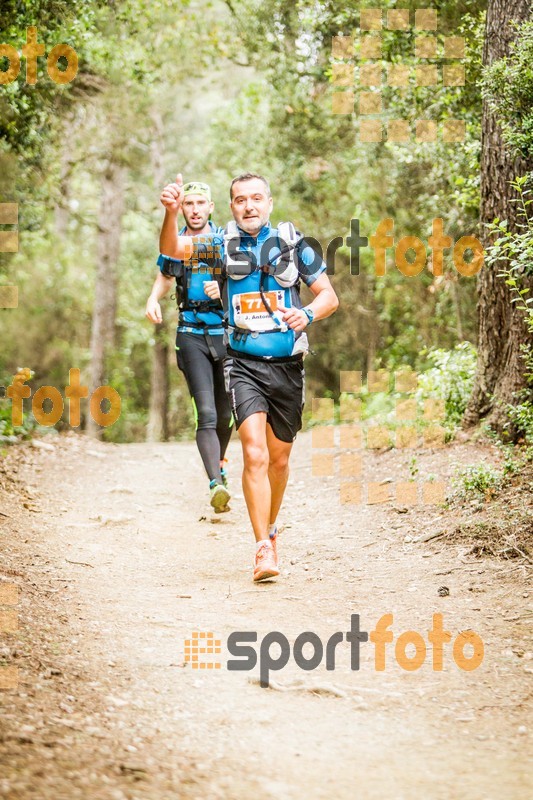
(172, 195)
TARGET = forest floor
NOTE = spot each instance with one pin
(118, 560)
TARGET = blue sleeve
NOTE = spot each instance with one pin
(170, 267)
(310, 263)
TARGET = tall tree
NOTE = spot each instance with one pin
(105, 295)
(157, 428)
(502, 328)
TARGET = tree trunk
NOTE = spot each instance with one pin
(105, 293)
(157, 428)
(454, 286)
(61, 206)
(501, 326)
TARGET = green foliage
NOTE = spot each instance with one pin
(516, 248)
(138, 60)
(512, 465)
(9, 433)
(521, 413)
(29, 114)
(508, 86)
(323, 176)
(450, 379)
(478, 479)
(512, 253)
(486, 480)
(184, 63)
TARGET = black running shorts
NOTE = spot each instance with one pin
(278, 389)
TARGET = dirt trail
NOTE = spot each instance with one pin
(119, 560)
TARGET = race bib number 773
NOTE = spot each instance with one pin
(250, 312)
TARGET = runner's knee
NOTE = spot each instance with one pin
(279, 462)
(205, 411)
(255, 457)
(223, 418)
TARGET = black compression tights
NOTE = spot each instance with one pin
(205, 379)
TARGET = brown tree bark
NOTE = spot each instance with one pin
(157, 428)
(501, 326)
(61, 210)
(68, 160)
(105, 294)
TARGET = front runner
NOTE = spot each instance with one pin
(266, 343)
(199, 341)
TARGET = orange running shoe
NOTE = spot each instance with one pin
(265, 562)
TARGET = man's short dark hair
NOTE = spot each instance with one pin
(249, 176)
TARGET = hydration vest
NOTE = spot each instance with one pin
(197, 310)
(256, 291)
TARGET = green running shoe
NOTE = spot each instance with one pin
(223, 472)
(219, 497)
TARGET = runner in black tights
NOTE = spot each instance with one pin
(199, 342)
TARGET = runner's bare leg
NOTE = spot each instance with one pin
(255, 475)
(278, 470)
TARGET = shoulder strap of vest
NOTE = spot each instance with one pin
(231, 229)
(285, 266)
(290, 238)
(184, 288)
(289, 234)
(235, 262)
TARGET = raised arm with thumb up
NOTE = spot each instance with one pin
(170, 244)
(172, 195)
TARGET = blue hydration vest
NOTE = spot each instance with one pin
(198, 313)
(262, 274)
